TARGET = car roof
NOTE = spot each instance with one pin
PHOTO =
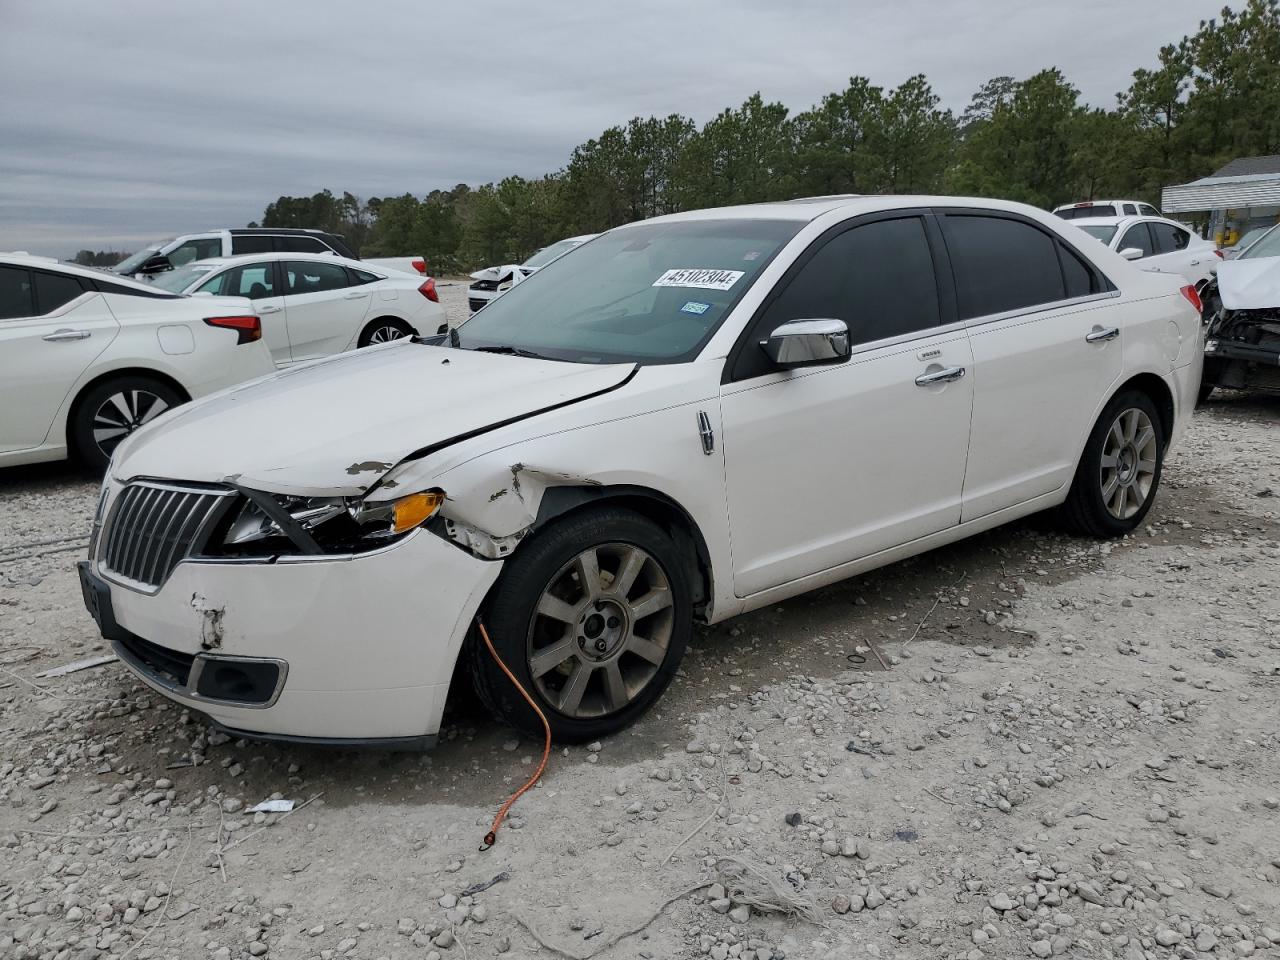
(1101, 203)
(806, 209)
(24, 259)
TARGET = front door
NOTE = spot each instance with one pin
(829, 464)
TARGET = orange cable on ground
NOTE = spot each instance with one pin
(491, 837)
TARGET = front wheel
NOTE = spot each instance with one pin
(114, 409)
(592, 616)
(1119, 472)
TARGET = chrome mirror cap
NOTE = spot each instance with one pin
(803, 343)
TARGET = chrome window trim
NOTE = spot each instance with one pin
(1050, 307)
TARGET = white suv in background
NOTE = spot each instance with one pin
(685, 419)
(314, 305)
(1157, 245)
(87, 358)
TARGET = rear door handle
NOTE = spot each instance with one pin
(355, 296)
(66, 334)
(940, 376)
(268, 310)
(1098, 336)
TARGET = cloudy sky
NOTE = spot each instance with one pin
(129, 120)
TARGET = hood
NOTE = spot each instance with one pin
(1250, 284)
(496, 273)
(335, 426)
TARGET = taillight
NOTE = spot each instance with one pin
(1193, 298)
(420, 265)
(1219, 254)
(248, 328)
(428, 290)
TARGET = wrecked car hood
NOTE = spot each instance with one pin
(496, 273)
(335, 426)
(1250, 284)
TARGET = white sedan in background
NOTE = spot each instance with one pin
(86, 358)
(1157, 245)
(316, 305)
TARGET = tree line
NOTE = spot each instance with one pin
(1212, 96)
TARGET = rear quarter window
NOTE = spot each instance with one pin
(54, 290)
(16, 299)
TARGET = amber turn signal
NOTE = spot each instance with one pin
(415, 510)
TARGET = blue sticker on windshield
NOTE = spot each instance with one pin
(694, 307)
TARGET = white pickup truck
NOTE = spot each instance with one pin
(179, 251)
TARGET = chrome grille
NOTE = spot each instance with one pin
(153, 526)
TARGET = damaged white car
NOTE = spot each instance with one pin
(689, 418)
(491, 282)
(1242, 311)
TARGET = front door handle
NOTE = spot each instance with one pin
(268, 310)
(940, 376)
(58, 336)
(1100, 335)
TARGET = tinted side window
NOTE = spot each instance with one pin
(1147, 210)
(878, 278)
(1129, 209)
(1169, 238)
(361, 276)
(1081, 279)
(1137, 236)
(54, 290)
(194, 250)
(291, 244)
(15, 293)
(1001, 264)
(250, 244)
(310, 277)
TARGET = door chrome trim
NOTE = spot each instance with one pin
(948, 375)
(706, 433)
(1101, 336)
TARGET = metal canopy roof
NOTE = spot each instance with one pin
(1244, 182)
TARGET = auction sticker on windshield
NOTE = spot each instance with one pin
(700, 279)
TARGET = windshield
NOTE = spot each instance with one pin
(547, 254)
(650, 293)
(131, 264)
(177, 281)
(1100, 230)
(1267, 245)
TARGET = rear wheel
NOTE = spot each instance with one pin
(112, 410)
(383, 330)
(592, 617)
(1119, 473)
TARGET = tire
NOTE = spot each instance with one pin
(383, 330)
(112, 410)
(1204, 393)
(620, 649)
(1117, 449)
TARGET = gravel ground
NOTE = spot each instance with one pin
(1071, 749)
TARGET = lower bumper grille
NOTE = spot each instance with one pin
(168, 667)
(154, 526)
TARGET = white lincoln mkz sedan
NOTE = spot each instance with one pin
(689, 418)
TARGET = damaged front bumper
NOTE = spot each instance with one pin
(356, 648)
(1242, 350)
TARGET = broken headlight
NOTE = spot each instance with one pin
(263, 524)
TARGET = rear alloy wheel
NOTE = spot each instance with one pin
(112, 411)
(592, 616)
(384, 330)
(1119, 471)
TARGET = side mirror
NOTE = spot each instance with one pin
(806, 343)
(157, 264)
(1131, 253)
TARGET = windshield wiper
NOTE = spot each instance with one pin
(510, 351)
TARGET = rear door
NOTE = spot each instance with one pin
(52, 327)
(260, 283)
(828, 464)
(1046, 335)
(324, 307)
(1177, 252)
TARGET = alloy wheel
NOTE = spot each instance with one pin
(601, 630)
(386, 334)
(1128, 466)
(121, 414)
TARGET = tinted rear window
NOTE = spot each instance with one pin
(1082, 213)
(54, 290)
(1001, 264)
(250, 244)
(15, 293)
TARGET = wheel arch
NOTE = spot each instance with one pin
(1161, 395)
(73, 410)
(383, 318)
